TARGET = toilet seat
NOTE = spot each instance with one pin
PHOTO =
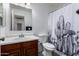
(49, 46)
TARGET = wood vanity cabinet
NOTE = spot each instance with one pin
(10, 49)
(29, 48)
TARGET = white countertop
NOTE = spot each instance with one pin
(17, 40)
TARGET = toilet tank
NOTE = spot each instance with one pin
(43, 37)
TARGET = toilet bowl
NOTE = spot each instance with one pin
(42, 39)
(48, 49)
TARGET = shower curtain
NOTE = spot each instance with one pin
(63, 37)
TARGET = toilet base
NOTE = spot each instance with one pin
(47, 53)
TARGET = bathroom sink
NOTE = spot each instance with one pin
(15, 39)
(18, 39)
(49, 46)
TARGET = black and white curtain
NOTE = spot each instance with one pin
(62, 33)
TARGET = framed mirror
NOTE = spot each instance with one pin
(21, 18)
(1, 14)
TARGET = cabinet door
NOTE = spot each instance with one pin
(15, 53)
(30, 48)
(30, 52)
(10, 50)
(11, 53)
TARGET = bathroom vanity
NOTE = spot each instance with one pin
(16, 22)
(24, 47)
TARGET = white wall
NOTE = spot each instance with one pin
(75, 17)
(7, 17)
(40, 15)
(40, 18)
(2, 32)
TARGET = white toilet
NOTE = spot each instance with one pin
(48, 48)
(43, 38)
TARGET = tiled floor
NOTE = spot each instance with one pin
(40, 54)
(53, 54)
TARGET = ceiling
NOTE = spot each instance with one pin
(52, 6)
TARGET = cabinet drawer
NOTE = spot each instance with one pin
(10, 47)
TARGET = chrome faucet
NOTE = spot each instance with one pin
(21, 35)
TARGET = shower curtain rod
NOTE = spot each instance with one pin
(52, 11)
(59, 8)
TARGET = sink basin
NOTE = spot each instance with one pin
(49, 46)
(14, 39)
(18, 39)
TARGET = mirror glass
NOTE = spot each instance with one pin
(1, 14)
(21, 18)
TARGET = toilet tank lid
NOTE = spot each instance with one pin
(42, 34)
